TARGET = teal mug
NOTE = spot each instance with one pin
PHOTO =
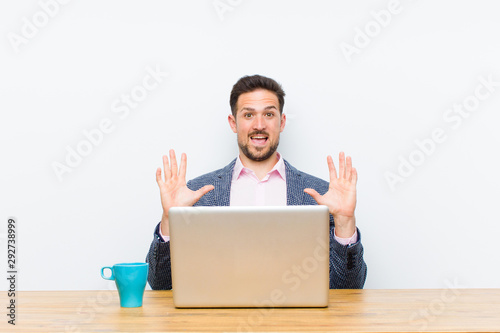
(130, 279)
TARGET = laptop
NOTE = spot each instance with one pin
(263, 256)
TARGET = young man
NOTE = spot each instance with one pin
(260, 176)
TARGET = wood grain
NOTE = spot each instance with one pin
(436, 310)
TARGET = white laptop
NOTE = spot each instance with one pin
(250, 256)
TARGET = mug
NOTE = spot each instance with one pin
(130, 279)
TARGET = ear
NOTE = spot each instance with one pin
(232, 122)
(283, 122)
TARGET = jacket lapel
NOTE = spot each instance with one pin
(294, 186)
(222, 184)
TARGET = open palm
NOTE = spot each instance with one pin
(173, 189)
(341, 195)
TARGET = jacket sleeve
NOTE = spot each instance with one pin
(158, 257)
(347, 267)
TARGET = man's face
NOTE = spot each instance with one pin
(258, 124)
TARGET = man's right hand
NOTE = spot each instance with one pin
(173, 190)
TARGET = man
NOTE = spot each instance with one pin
(260, 176)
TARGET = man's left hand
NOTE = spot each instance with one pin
(341, 196)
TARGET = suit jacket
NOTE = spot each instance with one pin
(347, 267)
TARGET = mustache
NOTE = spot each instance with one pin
(258, 132)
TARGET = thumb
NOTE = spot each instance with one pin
(314, 194)
(202, 191)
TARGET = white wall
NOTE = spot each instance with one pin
(437, 226)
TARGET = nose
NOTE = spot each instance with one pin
(259, 123)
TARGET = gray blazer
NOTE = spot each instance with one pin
(347, 267)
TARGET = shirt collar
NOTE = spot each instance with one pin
(279, 167)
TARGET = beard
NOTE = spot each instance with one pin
(261, 154)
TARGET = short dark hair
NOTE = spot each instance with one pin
(252, 83)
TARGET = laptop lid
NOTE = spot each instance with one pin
(262, 256)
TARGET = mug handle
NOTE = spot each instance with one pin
(112, 277)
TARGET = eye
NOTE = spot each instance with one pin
(247, 115)
(269, 114)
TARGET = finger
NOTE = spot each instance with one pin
(354, 176)
(166, 168)
(173, 163)
(158, 175)
(331, 168)
(348, 169)
(314, 194)
(341, 165)
(183, 166)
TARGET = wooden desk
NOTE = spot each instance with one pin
(446, 310)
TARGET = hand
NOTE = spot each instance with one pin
(173, 190)
(341, 195)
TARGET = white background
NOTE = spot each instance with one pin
(436, 227)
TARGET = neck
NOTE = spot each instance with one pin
(261, 168)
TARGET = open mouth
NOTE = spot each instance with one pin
(259, 139)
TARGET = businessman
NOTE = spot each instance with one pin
(260, 176)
